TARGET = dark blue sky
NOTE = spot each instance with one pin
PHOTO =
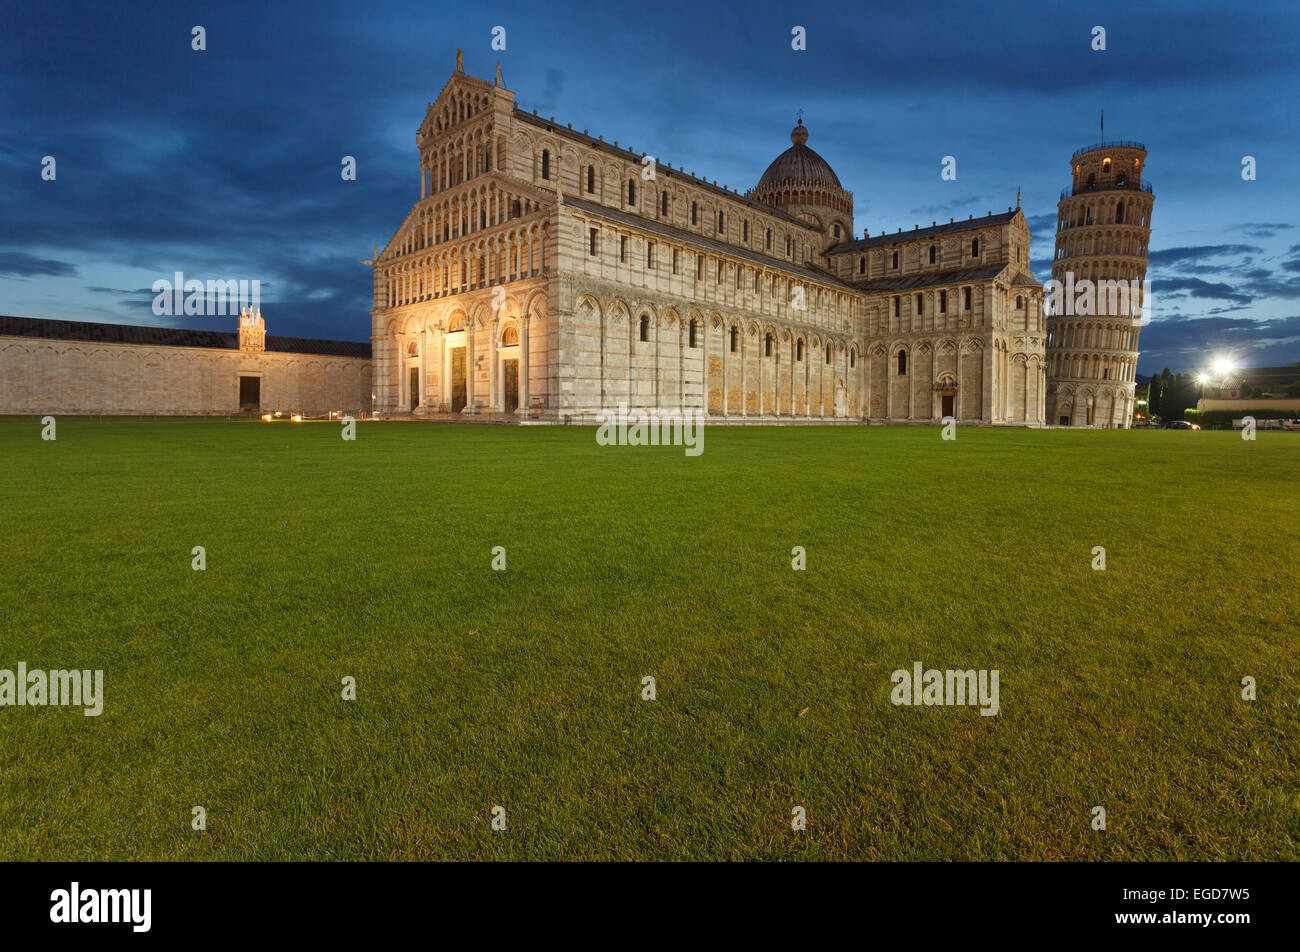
(225, 163)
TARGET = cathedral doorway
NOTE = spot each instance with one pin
(250, 393)
(949, 405)
(458, 392)
(510, 385)
(413, 386)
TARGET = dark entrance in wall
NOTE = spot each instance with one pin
(457, 379)
(250, 393)
(1065, 421)
(414, 387)
(949, 405)
(510, 385)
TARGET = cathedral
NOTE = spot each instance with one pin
(547, 274)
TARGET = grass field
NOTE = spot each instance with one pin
(475, 688)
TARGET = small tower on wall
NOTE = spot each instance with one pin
(1102, 232)
(252, 330)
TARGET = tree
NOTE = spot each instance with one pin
(1153, 397)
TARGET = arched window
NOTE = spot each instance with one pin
(837, 231)
(592, 241)
(694, 213)
(591, 179)
(798, 349)
(631, 191)
(546, 163)
(694, 327)
(920, 305)
(1119, 213)
(767, 346)
(975, 248)
(895, 262)
(769, 239)
(828, 353)
(932, 254)
(862, 265)
(1105, 166)
(1020, 302)
(663, 203)
(902, 362)
(853, 358)
(733, 339)
(721, 227)
(645, 327)
(744, 230)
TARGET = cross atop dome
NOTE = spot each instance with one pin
(799, 134)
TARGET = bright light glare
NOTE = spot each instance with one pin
(1223, 367)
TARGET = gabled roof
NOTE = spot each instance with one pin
(931, 279)
(664, 169)
(999, 219)
(170, 337)
(722, 248)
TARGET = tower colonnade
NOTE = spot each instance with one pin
(1097, 297)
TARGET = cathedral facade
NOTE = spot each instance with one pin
(547, 274)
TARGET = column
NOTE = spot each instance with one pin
(807, 376)
(493, 383)
(523, 366)
(744, 404)
(395, 374)
(424, 366)
(470, 408)
(726, 349)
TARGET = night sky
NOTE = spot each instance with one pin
(226, 163)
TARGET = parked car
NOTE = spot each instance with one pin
(1180, 425)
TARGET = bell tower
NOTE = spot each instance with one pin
(1099, 266)
(252, 330)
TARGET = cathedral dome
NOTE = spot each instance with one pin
(799, 165)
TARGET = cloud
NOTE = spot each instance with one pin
(1041, 224)
(1183, 342)
(22, 265)
(552, 89)
(947, 208)
(1261, 229)
(1198, 288)
(1198, 253)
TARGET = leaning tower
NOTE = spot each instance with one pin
(1102, 228)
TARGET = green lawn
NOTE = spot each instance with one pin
(372, 559)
